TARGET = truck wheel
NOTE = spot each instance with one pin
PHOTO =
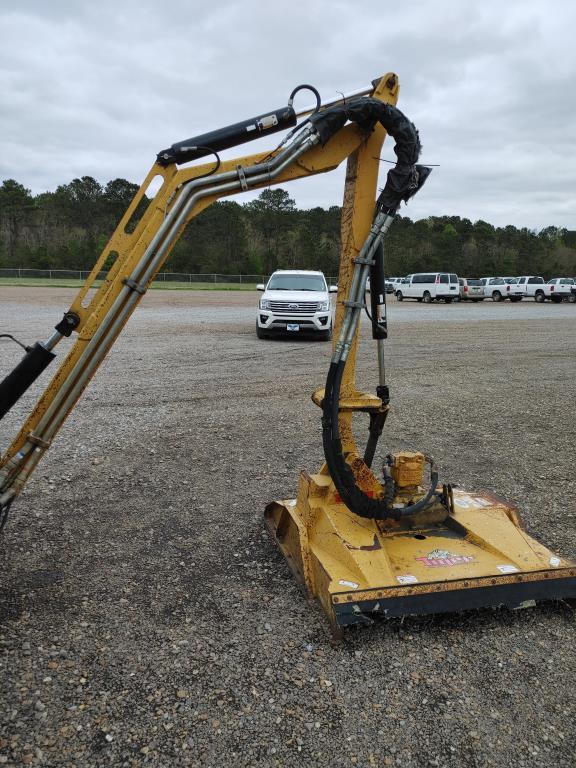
(399, 296)
(448, 300)
(496, 296)
(260, 333)
(539, 297)
(427, 298)
(326, 335)
(572, 298)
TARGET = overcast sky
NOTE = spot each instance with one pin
(97, 88)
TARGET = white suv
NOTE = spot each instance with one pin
(295, 302)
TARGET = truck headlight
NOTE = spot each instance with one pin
(264, 304)
(324, 306)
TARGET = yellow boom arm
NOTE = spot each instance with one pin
(133, 259)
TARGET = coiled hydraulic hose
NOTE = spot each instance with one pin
(403, 181)
(341, 472)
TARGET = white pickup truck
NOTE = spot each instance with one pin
(532, 285)
(498, 289)
(557, 289)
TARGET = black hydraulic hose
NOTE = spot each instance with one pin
(13, 338)
(406, 178)
(306, 87)
(402, 183)
(341, 472)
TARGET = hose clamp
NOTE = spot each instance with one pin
(134, 286)
(242, 177)
(38, 441)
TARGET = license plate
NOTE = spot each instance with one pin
(292, 327)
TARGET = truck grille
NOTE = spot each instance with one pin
(294, 307)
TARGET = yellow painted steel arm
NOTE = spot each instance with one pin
(114, 300)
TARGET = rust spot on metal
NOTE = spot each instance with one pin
(366, 547)
(334, 599)
(349, 598)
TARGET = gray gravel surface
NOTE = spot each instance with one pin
(146, 618)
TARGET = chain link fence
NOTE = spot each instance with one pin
(167, 277)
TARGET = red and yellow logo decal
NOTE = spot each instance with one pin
(439, 558)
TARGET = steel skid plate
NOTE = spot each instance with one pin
(358, 568)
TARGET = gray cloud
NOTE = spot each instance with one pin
(98, 89)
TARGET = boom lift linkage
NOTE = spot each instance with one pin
(362, 546)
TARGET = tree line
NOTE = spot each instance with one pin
(68, 228)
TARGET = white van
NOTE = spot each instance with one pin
(429, 286)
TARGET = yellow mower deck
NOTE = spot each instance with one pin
(478, 556)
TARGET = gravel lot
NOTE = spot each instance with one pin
(147, 619)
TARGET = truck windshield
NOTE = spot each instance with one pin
(296, 283)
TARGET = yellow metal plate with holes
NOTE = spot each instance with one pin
(360, 401)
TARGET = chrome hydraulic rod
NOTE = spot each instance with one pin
(381, 362)
(342, 99)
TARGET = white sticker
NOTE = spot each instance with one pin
(554, 562)
(476, 502)
(407, 579)
(291, 503)
(507, 568)
(268, 122)
(351, 584)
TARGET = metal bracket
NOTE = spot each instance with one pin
(69, 322)
(355, 304)
(242, 177)
(134, 285)
(370, 262)
(37, 441)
